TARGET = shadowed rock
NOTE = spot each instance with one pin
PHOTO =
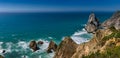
(40, 42)
(66, 48)
(52, 46)
(3, 51)
(33, 46)
(93, 24)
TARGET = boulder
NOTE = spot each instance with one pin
(93, 24)
(33, 46)
(40, 42)
(66, 48)
(52, 47)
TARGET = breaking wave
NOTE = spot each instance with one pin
(22, 50)
(81, 36)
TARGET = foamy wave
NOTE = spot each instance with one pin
(44, 46)
(22, 48)
(81, 36)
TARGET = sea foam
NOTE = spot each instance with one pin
(23, 50)
(81, 36)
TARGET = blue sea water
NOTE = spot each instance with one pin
(18, 29)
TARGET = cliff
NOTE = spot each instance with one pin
(104, 44)
(113, 21)
(66, 48)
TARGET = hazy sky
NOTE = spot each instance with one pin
(58, 5)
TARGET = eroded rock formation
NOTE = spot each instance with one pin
(101, 41)
(52, 47)
(33, 46)
(66, 48)
(93, 24)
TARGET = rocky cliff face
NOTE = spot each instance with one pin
(66, 48)
(52, 47)
(113, 21)
(94, 45)
(101, 41)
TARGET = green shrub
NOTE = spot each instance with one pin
(113, 29)
(113, 52)
(114, 34)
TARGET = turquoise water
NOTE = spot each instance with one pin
(18, 29)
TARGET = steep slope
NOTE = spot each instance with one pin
(66, 48)
(104, 44)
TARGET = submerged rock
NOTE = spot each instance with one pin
(33, 46)
(66, 48)
(93, 24)
(40, 42)
(52, 46)
(3, 51)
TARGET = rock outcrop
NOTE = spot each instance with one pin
(93, 24)
(117, 24)
(52, 47)
(40, 42)
(33, 46)
(94, 45)
(66, 48)
(113, 21)
(102, 42)
(102, 39)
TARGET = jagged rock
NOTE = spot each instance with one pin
(93, 24)
(113, 21)
(52, 46)
(66, 48)
(117, 24)
(33, 46)
(101, 41)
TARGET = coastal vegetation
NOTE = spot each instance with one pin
(104, 44)
(113, 52)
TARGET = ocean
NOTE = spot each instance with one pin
(18, 29)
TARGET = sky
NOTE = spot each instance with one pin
(58, 5)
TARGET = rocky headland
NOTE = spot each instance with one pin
(105, 42)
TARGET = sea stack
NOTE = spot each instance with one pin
(52, 47)
(33, 46)
(92, 24)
